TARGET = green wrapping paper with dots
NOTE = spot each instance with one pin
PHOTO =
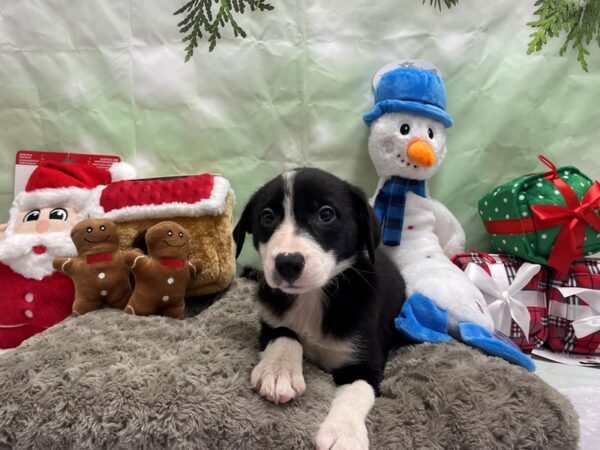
(548, 218)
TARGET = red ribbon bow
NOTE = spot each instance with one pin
(172, 262)
(573, 217)
(99, 257)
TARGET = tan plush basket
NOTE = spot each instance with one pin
(203, 204)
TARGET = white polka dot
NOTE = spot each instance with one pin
(538, 184)
(544, 236)
(513, 190)
(566, 176)
(496, 209)
(505, 200)
(581, 184)
(103, 293)
(101, 275)
(170, 280)
(485, 203)
(480, 212)
(525, 213)
(504, 241)
(556, 192)
(166, 298)
(29, 297)
(540, 196)
(28, 313)
(516, 249)
(532, 245)
(525, 185)
(507, 216)
(489, 218)
(567, 172)
(521, 197)
(598, 235)
(495, 193)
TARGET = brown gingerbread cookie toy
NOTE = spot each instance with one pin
(162, 276)
(100, 272)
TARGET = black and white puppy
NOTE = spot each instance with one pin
(326, 294)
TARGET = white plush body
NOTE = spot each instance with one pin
(431, 234)
(423, 260)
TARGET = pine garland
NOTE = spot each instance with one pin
(438, 3)
(201, 19)
(580, 19)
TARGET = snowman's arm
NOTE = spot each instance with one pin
(448, 229)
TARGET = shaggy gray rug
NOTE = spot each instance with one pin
(111, 380)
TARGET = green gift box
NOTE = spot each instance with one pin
(548, 218)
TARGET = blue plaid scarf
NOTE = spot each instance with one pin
(389, 206)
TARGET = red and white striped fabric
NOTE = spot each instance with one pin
(510, 273)
(574, 309)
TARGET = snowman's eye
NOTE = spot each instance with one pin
(430, 133)
(404, 129)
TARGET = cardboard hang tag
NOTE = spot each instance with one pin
(27, 160)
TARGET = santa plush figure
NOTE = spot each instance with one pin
(57, 196)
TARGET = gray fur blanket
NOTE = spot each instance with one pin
(110, 380)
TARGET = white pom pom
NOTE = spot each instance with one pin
(122, 171)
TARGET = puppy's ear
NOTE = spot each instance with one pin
(368, 226)
(243, 226)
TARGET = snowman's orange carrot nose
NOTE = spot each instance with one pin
(420, 152)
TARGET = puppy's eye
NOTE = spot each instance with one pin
(169, 233)
(102, 228)
(180, 234)
(430, 133)
(89, 229)
(327, 214)
(59, 214)
(32, 215)
(267, 217)
(404, 129)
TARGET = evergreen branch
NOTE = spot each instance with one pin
(438, 3)
(579, 19)
(202, 21)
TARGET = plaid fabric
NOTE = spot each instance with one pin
(389, 206)
(563, 310)
(538, 327)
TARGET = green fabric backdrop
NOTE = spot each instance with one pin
(108, 76)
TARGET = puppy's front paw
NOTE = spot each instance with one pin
(340, 434)
(278, 381)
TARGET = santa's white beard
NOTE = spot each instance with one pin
(16, 251)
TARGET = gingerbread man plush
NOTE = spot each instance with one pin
(162, 276)
(99, 272)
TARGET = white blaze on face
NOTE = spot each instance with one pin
(388, 143)
(319, 265)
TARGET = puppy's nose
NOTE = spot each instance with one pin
(289, 265)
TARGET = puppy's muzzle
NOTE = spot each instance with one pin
(289, 266)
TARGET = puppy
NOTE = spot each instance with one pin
(325, 293)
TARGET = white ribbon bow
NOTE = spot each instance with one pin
(506, 302)
(585, 326)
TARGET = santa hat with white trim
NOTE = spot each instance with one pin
(58, 184)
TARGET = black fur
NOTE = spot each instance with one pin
(362, 301)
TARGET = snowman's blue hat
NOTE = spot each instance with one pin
(411, 90)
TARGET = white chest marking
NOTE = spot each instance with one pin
(305, 318)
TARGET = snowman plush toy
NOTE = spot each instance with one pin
(407, 144)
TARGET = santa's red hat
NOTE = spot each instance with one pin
(56, 184)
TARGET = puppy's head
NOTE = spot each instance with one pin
(308, 226)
